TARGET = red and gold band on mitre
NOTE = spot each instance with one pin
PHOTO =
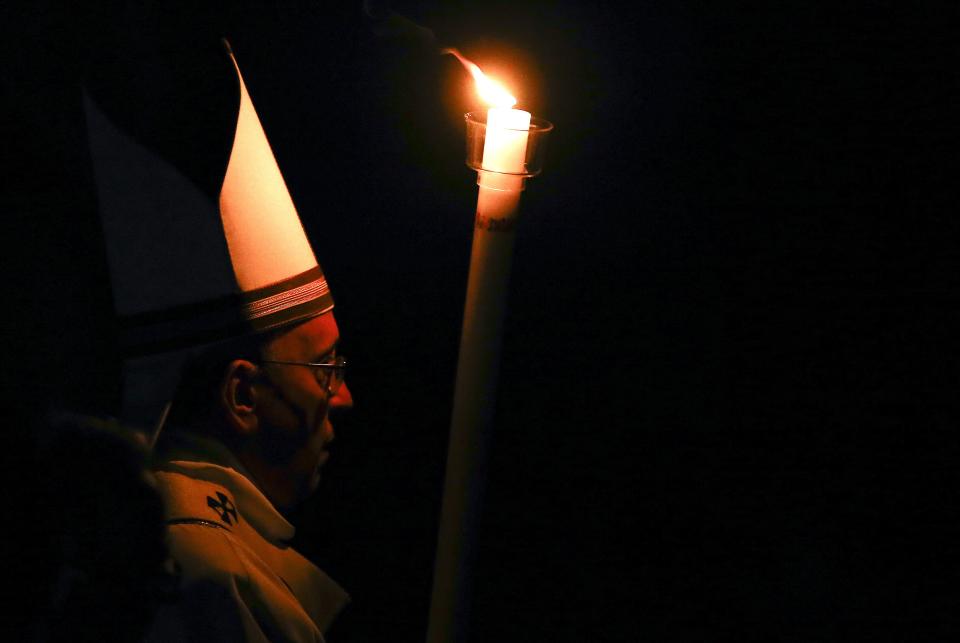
(278, 276)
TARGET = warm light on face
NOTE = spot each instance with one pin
(491, 92)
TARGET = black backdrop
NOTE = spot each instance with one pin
(726, 406)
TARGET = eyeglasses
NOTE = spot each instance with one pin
(329, 375)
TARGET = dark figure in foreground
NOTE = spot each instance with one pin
(95, 539)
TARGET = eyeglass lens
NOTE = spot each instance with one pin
(332, 378)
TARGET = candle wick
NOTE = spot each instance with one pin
(451, 51)
(456, 54)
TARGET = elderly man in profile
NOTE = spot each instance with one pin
(247, 430)
(250, 424)
(248, 434)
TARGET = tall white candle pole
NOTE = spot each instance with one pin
(501, 176)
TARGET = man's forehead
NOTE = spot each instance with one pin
(314, 337)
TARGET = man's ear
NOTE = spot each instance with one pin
(238, 396)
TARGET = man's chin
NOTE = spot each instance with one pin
(314, 482)
(322, 459)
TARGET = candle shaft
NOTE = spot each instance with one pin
(473, 410)
(478, 363)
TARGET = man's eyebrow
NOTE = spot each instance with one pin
(326, 353)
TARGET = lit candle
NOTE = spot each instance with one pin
(502, 172)
(505, 143)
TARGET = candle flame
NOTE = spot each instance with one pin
(490, 90)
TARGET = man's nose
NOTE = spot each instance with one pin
(342, 399)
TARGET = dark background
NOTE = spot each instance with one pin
(726, 406)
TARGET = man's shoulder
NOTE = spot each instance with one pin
(203, 550)
(209, 535)
(223, 531)
(222, 576)
(192, 500)
(201, 521)
(224, 594)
